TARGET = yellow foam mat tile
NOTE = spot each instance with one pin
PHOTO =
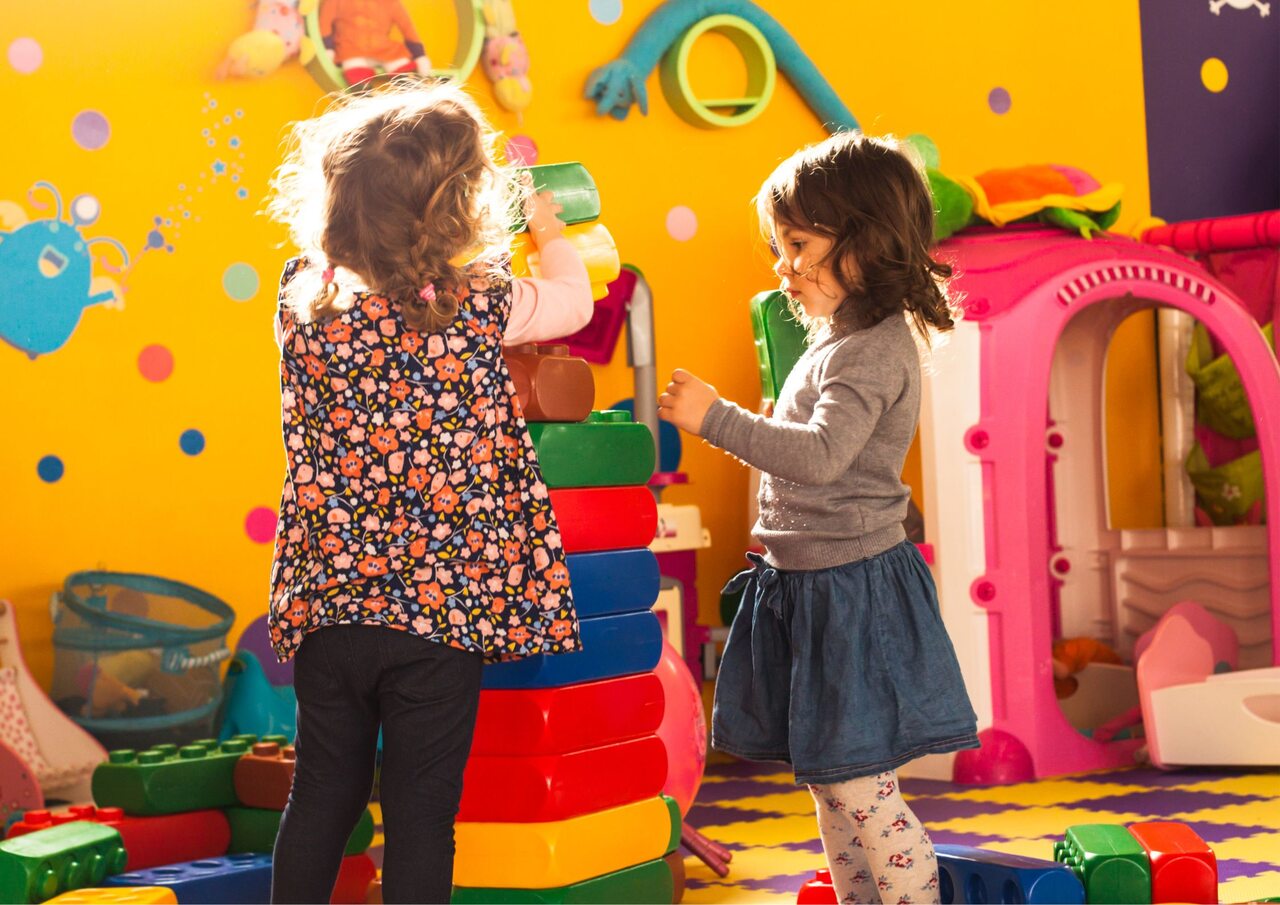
(781, 779)
(118, 895)
(1251, 813)
(1031, 822)
(766, 831)
(795, 801)
(560, 852)
(1243, 889)
(1254, 784)
(1046, 792)
(1264, 848)
(725, 891)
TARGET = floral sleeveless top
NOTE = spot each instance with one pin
(413, 498)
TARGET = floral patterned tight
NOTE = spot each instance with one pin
(876, 848)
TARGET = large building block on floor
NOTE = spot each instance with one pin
(532, 788)
(150, 841)
(118, 895)
(354, 879)
(254, 830)
(534, 721)
(606, 450)
(564, 852)
(168, 780)
(613, 581)
(967, 874)
(643, 884)
(612, 646)
(229, 880)
(1183, 867)
(604, 518)
(1109, 862)
(264, 776)
(552, 385)
(40, 865)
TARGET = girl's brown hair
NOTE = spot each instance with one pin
(394, 187)
(870, 198)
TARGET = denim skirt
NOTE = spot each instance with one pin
(840, 672)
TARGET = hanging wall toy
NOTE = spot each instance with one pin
(505, 57)
(276, 36)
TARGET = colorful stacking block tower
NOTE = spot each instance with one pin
(1109, 861)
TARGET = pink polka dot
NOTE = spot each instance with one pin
(682, 223)
(522, 151)
(25, 55)
(155, 363)
(260, 525)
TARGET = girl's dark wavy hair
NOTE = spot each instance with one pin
(869, 196)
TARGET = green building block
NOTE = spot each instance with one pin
(677, 824)
(574, 190)
(1109, 862)
(780, 341)
(606, 450)
(41, 865)
(254, 830)
(645, 883)
(168, 779)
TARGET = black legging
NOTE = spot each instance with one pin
(350, 679)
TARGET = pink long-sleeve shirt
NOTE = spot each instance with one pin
(555, 304)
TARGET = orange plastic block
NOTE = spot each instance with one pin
(1183, 867)
(264, 776)
(150, 841)
(552, 384)
(605, 518)
(534, 721)
(560, 786)
(118, 895)
(355, 877)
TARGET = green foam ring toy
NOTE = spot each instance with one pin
(762, 75)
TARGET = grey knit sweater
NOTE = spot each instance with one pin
(832, 453)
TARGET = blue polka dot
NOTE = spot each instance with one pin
(192, 442)
(606, 12)
(240, 282)
(50, 469)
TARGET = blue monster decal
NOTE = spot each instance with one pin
(46, 271)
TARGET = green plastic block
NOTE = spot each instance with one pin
(41, 865)
(254, 830)
(573, 187)
(645, 883)
(780, 341)
(168, 779)
(1112, 865)
(677, 824)
(606, 450)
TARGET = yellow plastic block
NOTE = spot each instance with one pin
(544, 855)
(594, 244)
(119, 895)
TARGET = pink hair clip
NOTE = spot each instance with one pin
(428, 293)
(327, 275)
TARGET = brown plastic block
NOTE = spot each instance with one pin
(552, 384)
(264, 776)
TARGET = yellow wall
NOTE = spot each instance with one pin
(132, 501)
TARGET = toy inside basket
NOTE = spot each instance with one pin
(137, 658)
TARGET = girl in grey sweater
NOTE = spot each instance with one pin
(838, 662)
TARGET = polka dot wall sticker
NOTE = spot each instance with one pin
(240, 281)
(521, 150)
(606, 12)
(90, 129)
(1214, 75)
(260, 525)
(682, 223)
(191, 442)
(49, 469)
(25, 55)
(155, 363)
(999, 101)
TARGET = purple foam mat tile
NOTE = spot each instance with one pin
(918, 788)
(937, 810)
(784, 884)
(703, 815)
(1213, 833)
(813, 846)
(1163, 802)
(948, 837)
(733, 789)
(1152, 778)
(1233, 870)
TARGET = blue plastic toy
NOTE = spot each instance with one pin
(231, 879)
(613, 581)
(253, 705)
(967, 874)
(612, 646)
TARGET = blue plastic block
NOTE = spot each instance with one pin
(975, 875)
(615, 581)
(231, 879)
(618, 645)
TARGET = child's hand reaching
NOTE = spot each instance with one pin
(543, 224)
(686, 401)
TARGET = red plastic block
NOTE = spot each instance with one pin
(605, 518)
(354, 879)
(150, 841)
(552, 385)
(560, 786)
(818, 891)
(264, 776)
(532, 721)
(1183, 867)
